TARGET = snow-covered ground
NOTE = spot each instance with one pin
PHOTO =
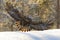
(32, 35)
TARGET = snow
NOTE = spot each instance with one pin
(31, 35)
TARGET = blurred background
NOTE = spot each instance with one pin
(37, 10)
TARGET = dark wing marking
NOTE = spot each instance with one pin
(25, 21)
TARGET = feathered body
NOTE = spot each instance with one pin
(24, 20)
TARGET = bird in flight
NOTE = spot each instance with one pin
(26, 23)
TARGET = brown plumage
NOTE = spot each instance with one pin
(25, 21)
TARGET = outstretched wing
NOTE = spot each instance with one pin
(17, 15)
(14, 13)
